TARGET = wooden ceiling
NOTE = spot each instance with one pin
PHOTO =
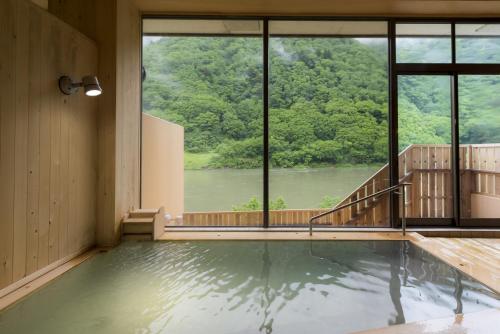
(464, 8)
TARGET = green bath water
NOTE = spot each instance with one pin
(249, 287)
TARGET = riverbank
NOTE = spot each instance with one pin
(221, 189)
(199, 161)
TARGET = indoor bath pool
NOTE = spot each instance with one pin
(249, 287)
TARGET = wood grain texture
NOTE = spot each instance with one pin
(478, 258)
(128, 116)
(21, 143)
(481, 322)
(41, 198)
(276, 235)
(106, 39)
(325, 7)
(7, 136)
(119, 41)
(39, 279)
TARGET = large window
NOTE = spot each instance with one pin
(268, 122)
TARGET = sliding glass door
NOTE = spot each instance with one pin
(425, 151)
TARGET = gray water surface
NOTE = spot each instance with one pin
(249, 287)
(221, 189)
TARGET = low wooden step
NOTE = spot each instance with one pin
(138, 225)
(131, 220)
(143, 213)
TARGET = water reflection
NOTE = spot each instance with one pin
(250, 287)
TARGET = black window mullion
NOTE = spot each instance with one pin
(455, 149)
(453, 44)
(265, 100)
(393, 125)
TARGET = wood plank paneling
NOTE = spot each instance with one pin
(118, 24)
(35, 103)
(325, 7)
(128, 117)
(47, 142)
(48, 70)
(21, 143)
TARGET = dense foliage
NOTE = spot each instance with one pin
(328, 100)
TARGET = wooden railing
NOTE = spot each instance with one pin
(426, 167)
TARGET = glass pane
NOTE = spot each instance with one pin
(479, 115)
(202, 104)
(424, 115)
(423, 43)
(478, 43)
(328, 28)
(327, 122)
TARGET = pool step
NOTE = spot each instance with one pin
(143, 224)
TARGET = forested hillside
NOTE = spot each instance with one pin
(328, 100)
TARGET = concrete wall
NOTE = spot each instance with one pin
(162, 165)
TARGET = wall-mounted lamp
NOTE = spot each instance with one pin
(89, 84)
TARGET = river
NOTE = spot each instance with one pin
(220, 189)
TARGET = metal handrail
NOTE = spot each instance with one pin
(378, 193)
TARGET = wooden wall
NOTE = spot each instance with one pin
(116, 27)
(128, 109)
(47, 142)
(105, 19)
(41, 3)
(325, 7)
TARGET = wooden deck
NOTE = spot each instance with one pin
(483, 322)
(476, 257)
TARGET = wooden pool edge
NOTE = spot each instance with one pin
(41, 278)
(282, 235)
(461, 254)
(474, 322)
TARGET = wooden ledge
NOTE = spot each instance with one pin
(285, 235)
(43, 279)
(476, 322)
